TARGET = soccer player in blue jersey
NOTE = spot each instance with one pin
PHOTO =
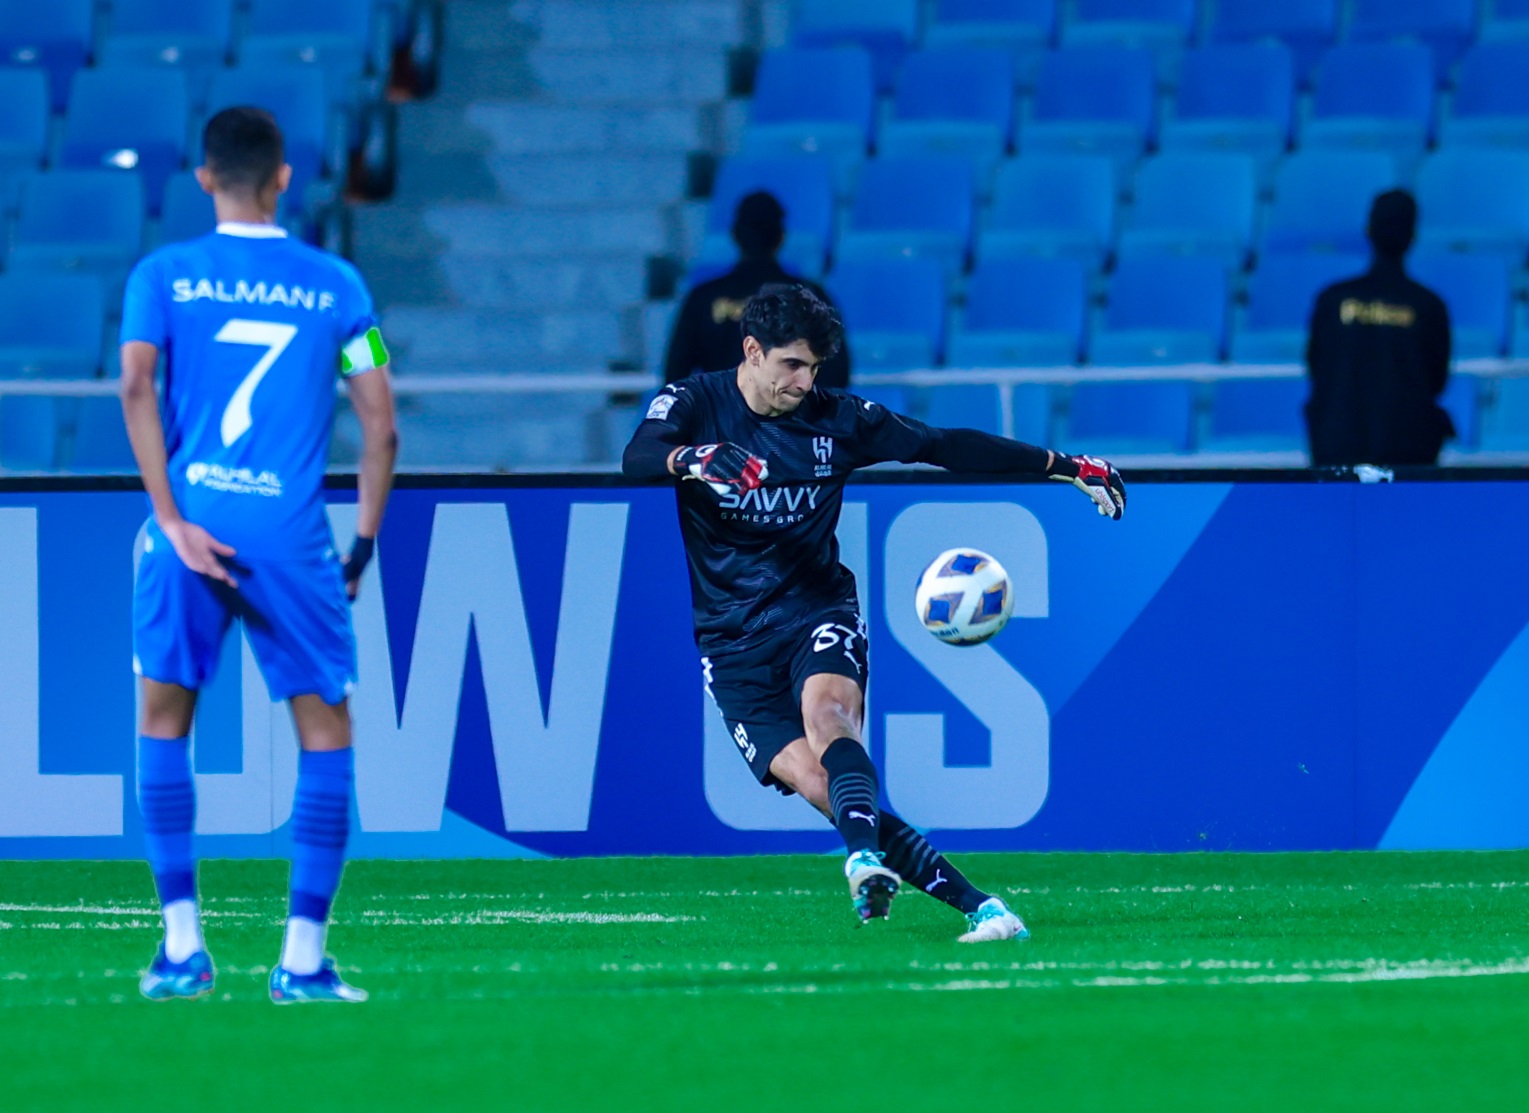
(254, 329)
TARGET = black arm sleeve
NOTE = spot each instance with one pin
(975, 451)
(647, 454)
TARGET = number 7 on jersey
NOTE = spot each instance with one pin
(261, 334)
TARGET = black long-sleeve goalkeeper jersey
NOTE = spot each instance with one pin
(769, 558)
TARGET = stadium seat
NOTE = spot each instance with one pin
(193, 35)
(912, 208)
(54, 35)
(1257, 415)
(1476, 290)
(132, 118)
(884, 28)
(29, 433)
(1193, 203)
(340, 37)
(1281, 293)
(1234, 98)
(803, 184)
(1093, 100)
(1167, 310)
(1051, 205)
(967, 406)
(1022, 313)
(23, 119)
(1507, 21)
(1504, 423)
(1373, 97)
(817, 101)
(100, 441)
(953, 102)
(1444, 26)
(1307, 27)
(894, 311)
(50, 326)
(295, 96)
(1161, 26)
(894, 398)
(1022, 27)
(1475, 200)
(87, 221)
(1120, 419)
(187, 212)
(1322, 200)
(1490, 107)
(1461, 400)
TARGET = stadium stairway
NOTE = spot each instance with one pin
(533, 190)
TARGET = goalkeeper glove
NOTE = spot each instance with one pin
(724, 468)
(355, 564)
(1096, 478)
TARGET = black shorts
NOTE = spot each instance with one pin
(759, 690)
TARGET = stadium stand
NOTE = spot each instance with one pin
(1123, 419)
(23, 119)
(953, 102)
(1093, 100)
(1193, 204)
(1163, 310)
(1490, 106)
(50, 326)
(1060, 205)
(815, 101)
(128, 118)
(1022, 313)
(55, 36)
(1280, 295)
(894, 311)
(885, 28)
(912, 208)
(1256, 415)
(195, 36)
(1022, 27)
(1373, 97)
(1475, 200)
(1307, 27)
(1234, 98)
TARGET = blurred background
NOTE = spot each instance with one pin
(1098, 224)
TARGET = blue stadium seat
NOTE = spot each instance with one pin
(1257, 415)
(817, 101)
(894, 398)
(894, 311)
(1163, 311)
(803, 184)
(133, 118)
(1461, 400)
(1052, 205)
(1281, 294)
(100, 441)
(1022, 27)
(1093, 100)
(1307, 27)
(1444, 26)
(1161, 26)
(884, 28)
(1373, 97)
(1507, 21)
(911, 208)
(1475, 200)
(187, 212)
(50, 326)
(193, 35)
(953, 102)
(1504, 424)
(1490, 107)
(1023, 313)
(1193, 203)
(340, 37)
(88, 221)
(1476, 290)
(295, 96)
(29, 433)
(54, 35)
(1234, 98)
(23, 119)
(967, 406)
(1120, 419)
(1322, 200)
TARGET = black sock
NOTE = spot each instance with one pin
(852, 793)
(917, 863)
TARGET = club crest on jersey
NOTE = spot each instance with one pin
(823, 449)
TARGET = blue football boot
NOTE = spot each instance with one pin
(165, 979)
(288, 988)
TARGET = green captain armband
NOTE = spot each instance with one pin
(366, 352)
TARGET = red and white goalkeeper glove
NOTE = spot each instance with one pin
(1096, 478)
(724, 468)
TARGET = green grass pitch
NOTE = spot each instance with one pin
(1198, 982)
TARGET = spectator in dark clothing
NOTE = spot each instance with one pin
(708, 331)
(1378, 355)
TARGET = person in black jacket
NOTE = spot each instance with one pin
(707, 334)
(1378, 356)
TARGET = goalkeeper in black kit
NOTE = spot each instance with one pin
(777, 618)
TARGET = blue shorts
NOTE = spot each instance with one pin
(295, 614)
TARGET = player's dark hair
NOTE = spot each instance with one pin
(781, 314)
(243, 149)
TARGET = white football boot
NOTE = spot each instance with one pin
(993, 922)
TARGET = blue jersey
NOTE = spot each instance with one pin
(254, 329)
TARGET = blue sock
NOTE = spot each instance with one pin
(320, 826)
(167, 801)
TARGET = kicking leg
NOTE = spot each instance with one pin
(320, 828)
(167, 802)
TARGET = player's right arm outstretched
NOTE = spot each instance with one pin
(661, 448)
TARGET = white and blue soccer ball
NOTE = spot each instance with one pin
(964, 597)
